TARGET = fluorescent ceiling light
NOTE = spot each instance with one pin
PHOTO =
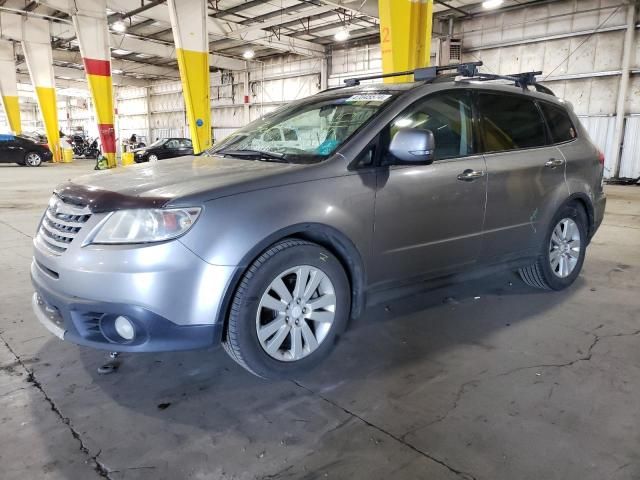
(249, 54)
(492, 3)
(115, 71)
(119, 26)
(119, 51)
(341, 35)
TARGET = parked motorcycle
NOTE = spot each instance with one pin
(92, 150)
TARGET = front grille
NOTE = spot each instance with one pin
(61, 224)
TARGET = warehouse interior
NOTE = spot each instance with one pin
(484, 379)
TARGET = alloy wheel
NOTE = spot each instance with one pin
(33, 159)
(564, 247)
(295, 313)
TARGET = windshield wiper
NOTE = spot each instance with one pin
(257, 154)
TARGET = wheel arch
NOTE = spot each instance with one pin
(584, 201)
(328, 237)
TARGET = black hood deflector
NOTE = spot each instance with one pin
(99, 200)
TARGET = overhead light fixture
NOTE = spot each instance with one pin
(342, 35)
(249, 54)
(119, 26)
(488, 4)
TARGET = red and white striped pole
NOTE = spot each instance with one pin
(90, 21)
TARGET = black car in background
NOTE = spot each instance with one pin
(23, 151)
(164, 148)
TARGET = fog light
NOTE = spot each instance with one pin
(124, 327)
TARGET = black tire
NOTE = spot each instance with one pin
(32, 159)
(540, 274)
(241, 340)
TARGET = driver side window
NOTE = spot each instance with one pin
(449, 117)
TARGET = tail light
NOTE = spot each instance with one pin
(601, 158)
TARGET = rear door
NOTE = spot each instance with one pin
(524, 172)
(185, 147)
(428, 218)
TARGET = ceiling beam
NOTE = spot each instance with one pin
(78, 75)
(131, 67)
(237, 8)
(167, 50)
(220, 29)
(464, 13)
(278, 22)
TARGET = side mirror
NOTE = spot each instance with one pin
(413, 146)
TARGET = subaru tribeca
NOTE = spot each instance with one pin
(269, 245)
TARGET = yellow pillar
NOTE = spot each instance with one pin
(36, 45)
(405, 36)
(9, 86)
(189, 26)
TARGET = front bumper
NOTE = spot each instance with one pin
(173, 298)
(90, 324)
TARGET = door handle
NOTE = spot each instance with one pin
(470, 175)
(553, 163)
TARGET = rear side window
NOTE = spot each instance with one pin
(560, 125)
(510, 122)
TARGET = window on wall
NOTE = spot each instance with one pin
(510, 122)
(449, 117)
(560, 125)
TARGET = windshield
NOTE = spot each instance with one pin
(304, 133)
(157, 143)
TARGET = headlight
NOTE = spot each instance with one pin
(146, 225)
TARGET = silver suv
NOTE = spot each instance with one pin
(271, 241)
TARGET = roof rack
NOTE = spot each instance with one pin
(523, 80)
(421, 74)
(467, 70)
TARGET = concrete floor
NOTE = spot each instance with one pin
(486, 380)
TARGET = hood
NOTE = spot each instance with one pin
(182, 181)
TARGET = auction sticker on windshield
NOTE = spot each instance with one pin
(370, 97)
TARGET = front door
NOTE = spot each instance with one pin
(171, 149)
(524, 170)
(429, 218)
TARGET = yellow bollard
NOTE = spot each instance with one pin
(127, 159)
(67, 155)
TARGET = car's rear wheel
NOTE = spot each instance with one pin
(290, 307)
(33, 159)
(563, 252)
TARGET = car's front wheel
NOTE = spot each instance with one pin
(563, 251)
(153, 158)
(288, 310)
(33, 159)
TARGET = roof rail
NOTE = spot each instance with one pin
(421, 74)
